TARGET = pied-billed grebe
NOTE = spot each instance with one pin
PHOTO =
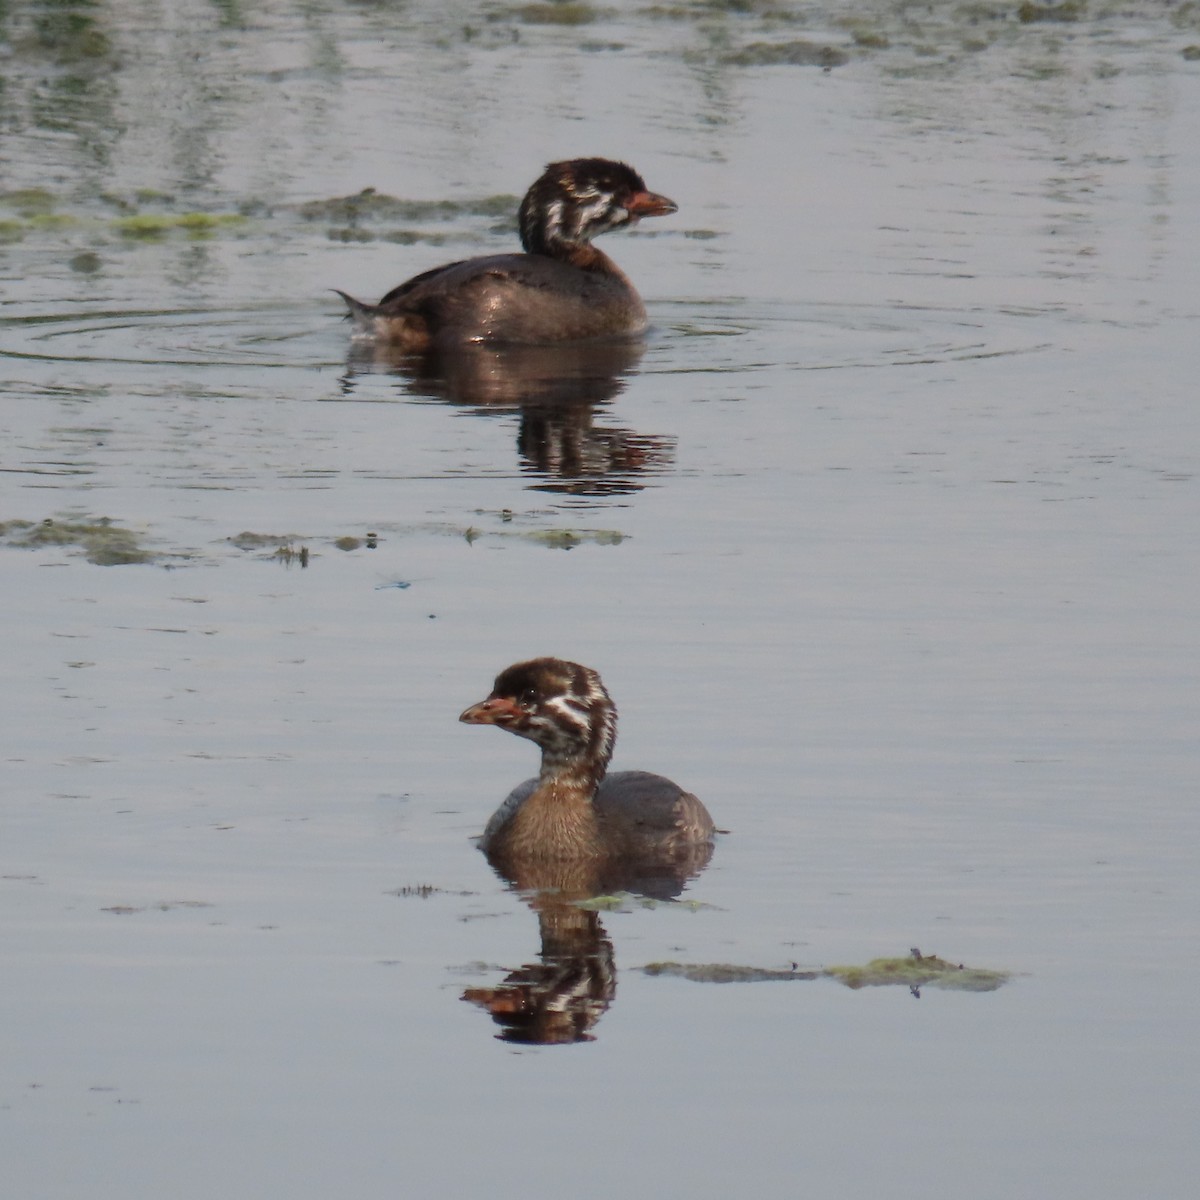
(561, 289)
(573, 809)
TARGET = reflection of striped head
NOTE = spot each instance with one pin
(577, 200)
(561, 706)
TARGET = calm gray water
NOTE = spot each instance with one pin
(885, 545)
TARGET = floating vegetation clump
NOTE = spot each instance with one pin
(352, 217)
(29, 202)
(34, 209)
(799, 53)
(568, 539)
(37, 210)
(372, 205)
(102, 542)
(67, 35)
(726, 972)
(287, 549)
(561, 13)
(292, 548)
(1032, 14)
(246, 540)
(290, 554)
(628, 901)
(914, 971)
(159, 225)
(554, 539)
(869, 39)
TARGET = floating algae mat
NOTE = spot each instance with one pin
(915, 971)
(628, 901)
(726, 972)
(102, 542)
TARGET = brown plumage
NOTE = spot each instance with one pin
(574, 812)
(561, 289)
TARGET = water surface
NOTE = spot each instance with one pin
(884, 542)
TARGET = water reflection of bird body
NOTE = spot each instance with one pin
(558, 392)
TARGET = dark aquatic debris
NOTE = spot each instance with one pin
(126, 910)
(562, 12)
(369, 215)
(422, 891)
(370, 204)
(1033, 14)
(248, 540)
(288, 549)
(629, 901)
(798, 53)
(915, 971)
(159, 225)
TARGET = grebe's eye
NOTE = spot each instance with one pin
(529, 696)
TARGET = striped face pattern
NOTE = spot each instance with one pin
(576, 201)
(561, 706)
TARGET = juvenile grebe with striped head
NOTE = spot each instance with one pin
(575, 809)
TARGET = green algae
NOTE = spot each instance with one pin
(292, 548)
(159, 225)
(69, 36)
(52, 220)
(563, 539)
(35, 213)
(107, 544)
(869, 39)
(40, 210)
(29, 202)
(726, 972)
(915, 971)
(101, 541)
(246, 540)
(628, 901)
(568, 539)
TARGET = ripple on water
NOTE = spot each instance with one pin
(250, 335)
